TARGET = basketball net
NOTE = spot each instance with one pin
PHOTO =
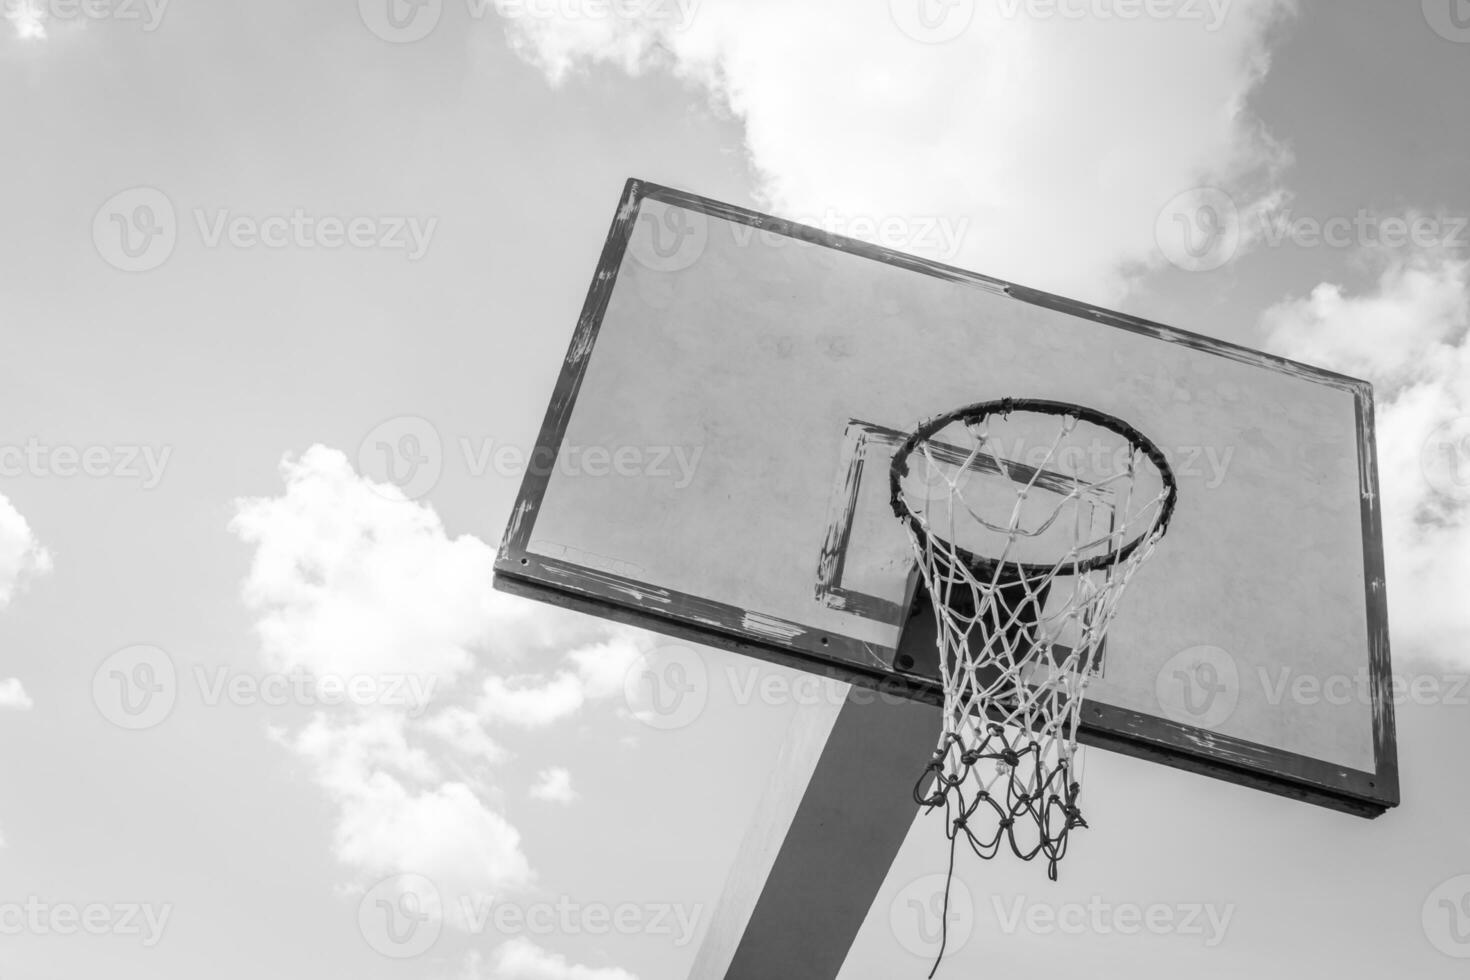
(1024, 564)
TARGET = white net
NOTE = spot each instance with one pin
(1028, 519)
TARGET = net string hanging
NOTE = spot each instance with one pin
(1024, 565)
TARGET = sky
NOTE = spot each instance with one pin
(284, 290)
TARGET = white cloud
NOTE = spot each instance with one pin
(597, 671)
(521, 959)
(28, 17)
(13, 695)
(461, 729)
(603, 667)
(1408, 336)
(397, 816)
(21, 558)
(530, 702)
(350, 754)
(1409, 331)
(349, 578)
(553, 785)
(21, 555)
(1058, 141)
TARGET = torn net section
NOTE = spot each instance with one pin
(1028, 519)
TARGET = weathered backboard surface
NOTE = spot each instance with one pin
(714, 464)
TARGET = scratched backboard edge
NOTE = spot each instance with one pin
(562, 583)
(1380, 664)
(1108, 727)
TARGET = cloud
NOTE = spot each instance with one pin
(461, 729)
(28, 17)
(603, 667)
(350, 578)
(21, 558)
(1408, 332)
(530, 702)
(397, 815)
(21, 555)
(1054, 142)
(597, 671)
(521, 959)
(553, 785)
(13, 695)
(1408, 335)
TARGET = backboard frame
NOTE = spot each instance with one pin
(608, 594)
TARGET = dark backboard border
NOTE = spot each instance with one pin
(752, 633)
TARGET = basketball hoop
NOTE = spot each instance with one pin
(1028, 518)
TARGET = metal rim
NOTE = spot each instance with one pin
(1005, 406)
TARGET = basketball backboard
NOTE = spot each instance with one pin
(785, 365)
